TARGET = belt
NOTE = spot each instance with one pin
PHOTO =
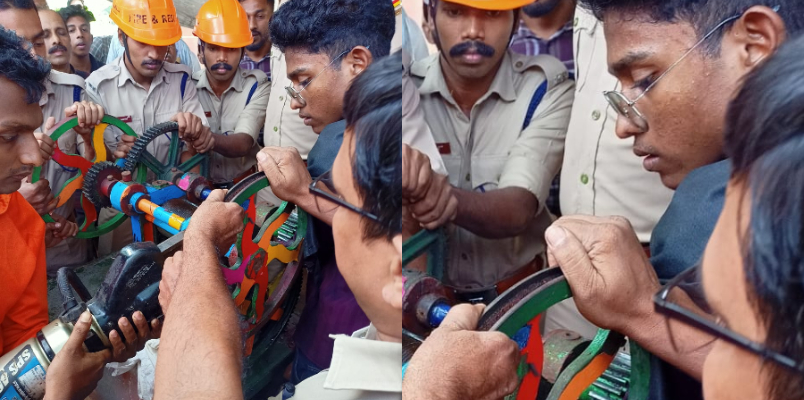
(229, 184)
(487, 295)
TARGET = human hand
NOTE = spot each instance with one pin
(611, 279)
(191, 127)
(39, 195)
(428, 194)
(205, 141)
(217, 221)
(286, 172)
(456, 362)
(59, 230)
(46, 144)
(124, 145)
(89, 115)
(135, 340)
(74, 372)
(171, 271)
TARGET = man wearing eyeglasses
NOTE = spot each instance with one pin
(679, 64)
(499, 120)
(325, 49)
(364, 191)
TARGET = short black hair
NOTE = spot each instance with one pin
(334, 26)
(74, 11)
(703, 15)
(764, 137)
(19, 66)
(18, 4)
(373, 111)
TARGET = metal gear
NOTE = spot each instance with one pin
(134, 155)
(92, 181)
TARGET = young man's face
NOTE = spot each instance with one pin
(259, 14)
(472, 41)
(19, 150)
(145, 59)
(28, 26)
(324, 94)
(80, 35)
(369, 266)
(57, 40)
(221, 62)
(686, 108)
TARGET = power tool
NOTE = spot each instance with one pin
(132, 284)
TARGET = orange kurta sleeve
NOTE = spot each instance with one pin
(23, 272)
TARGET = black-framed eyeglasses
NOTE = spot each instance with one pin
(627, 108)
(296, 94)
(665, 306)
(323, 188)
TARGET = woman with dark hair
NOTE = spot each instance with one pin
(753, 267)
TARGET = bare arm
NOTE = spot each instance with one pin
(496, 214)
(234, 145)
(201, 350)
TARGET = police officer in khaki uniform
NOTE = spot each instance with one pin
(499, 120)
(234, 99)
(142, 90)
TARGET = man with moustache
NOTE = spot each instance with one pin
(499, 120)
(142, 90)
(234, 99)
(77, 20)
(258, 53)
(57, 41)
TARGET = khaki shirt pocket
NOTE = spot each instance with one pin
(485, 172)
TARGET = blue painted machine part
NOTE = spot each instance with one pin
(437, 314)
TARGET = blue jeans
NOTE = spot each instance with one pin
(302, 369)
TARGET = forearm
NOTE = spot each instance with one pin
(201, 348)
(233, 146)
(657, 334)
(87, 151)
(496, 214)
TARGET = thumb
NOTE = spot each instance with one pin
(568, 252)
(217, 195)
(80, 331)
(268, 165)
(51, 122)
(463, 317)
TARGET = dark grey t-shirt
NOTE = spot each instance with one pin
(678, 243)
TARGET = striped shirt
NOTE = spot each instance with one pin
(264, 65)
(559, 45)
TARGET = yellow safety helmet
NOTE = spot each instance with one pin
(495, 5)
(151, 22)
(223, 23)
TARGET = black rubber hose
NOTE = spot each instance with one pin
(70, 285)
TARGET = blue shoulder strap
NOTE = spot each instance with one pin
(251, 93)
(183, 83)
(76, 93)
(534, 103)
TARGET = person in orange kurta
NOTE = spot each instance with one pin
(73, 373)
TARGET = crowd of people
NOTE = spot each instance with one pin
(649, 149)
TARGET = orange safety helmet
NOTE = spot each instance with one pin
(151, 22)
(223, 23)
(494, 5)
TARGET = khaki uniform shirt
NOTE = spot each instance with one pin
(601, 175)
(415, 131)
(283, 127)
(362, 367)
(490, 150)
(114, 88)
(241, 109)
(61, 91)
